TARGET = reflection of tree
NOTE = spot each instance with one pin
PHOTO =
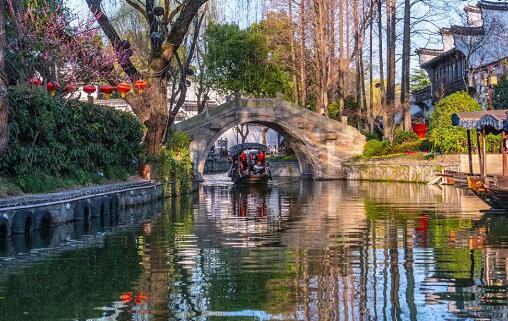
(72, 284)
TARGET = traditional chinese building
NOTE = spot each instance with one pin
(472, 55)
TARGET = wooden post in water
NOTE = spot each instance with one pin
(469, 152)
(505, 154)
(484, 152)
(480, 162)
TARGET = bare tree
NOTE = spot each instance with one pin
(168, 26)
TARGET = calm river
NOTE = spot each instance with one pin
(292, 251)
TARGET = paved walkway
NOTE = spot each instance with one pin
(68, 195)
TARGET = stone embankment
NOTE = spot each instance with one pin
(414, 170)
(404, 169)
(26, 214)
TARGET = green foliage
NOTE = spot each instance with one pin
(174, 165)
(408, 146)
(419, 80)
(371, 136)
(403, 136)
(447, 138)
(67, 139)
(374, 147)
(500, 96)
(55, 137)
(238, 60)
(333, 110)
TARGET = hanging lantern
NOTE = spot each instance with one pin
(36, 81)
(140, 85)
(70, 88)
(52, 87)
(89, 89)
(123, 88)
(107, 90)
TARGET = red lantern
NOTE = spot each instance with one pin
(52, 87)
(123, 88)
(70, 88)
(36, 81)
(140, 85)
(89, 89)
(106, 90)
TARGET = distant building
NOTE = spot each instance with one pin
(469, 55)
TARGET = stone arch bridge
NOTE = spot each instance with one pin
(321, 144)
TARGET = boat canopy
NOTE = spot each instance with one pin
(237, 149)
(495, 120)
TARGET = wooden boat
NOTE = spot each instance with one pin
(245, 167)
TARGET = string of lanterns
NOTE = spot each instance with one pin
(122, 88)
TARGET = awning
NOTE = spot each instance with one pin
(237, 149)
(491, 119)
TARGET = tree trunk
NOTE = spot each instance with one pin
(357, 65)
(386, 122)
(156, 119)
(371, 75)
(303, 86)
(390, 58)
(406, 65)
(264, 131)
(293, 53)
(340, 90)
(4, 108)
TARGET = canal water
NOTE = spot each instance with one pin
(294, 250)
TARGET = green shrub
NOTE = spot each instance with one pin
(37, 182)
(374, 147)
(425, 146)
(333, 110)
(444, 136)
(174, 166)
(500, 96)
(402, 137)
(66, 138)
(413, 146)
(371, 136)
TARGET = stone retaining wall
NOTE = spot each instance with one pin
(399, 169)
(24, 215)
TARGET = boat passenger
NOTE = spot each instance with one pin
(259, 168)
(243, 162)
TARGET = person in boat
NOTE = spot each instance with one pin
(243, 163)
(259, 168)
(253, 160)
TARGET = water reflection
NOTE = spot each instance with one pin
(291, 251)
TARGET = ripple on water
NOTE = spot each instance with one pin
(293, 250)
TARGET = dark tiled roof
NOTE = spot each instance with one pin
(493, 5)
(428, 51)
(467, 31)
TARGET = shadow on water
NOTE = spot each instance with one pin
(294, 250)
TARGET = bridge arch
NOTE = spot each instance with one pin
(320, 144)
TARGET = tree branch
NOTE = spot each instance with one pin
(138, 6)
(176, 34)
(106, 26)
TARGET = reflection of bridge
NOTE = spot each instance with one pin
(321, 144)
